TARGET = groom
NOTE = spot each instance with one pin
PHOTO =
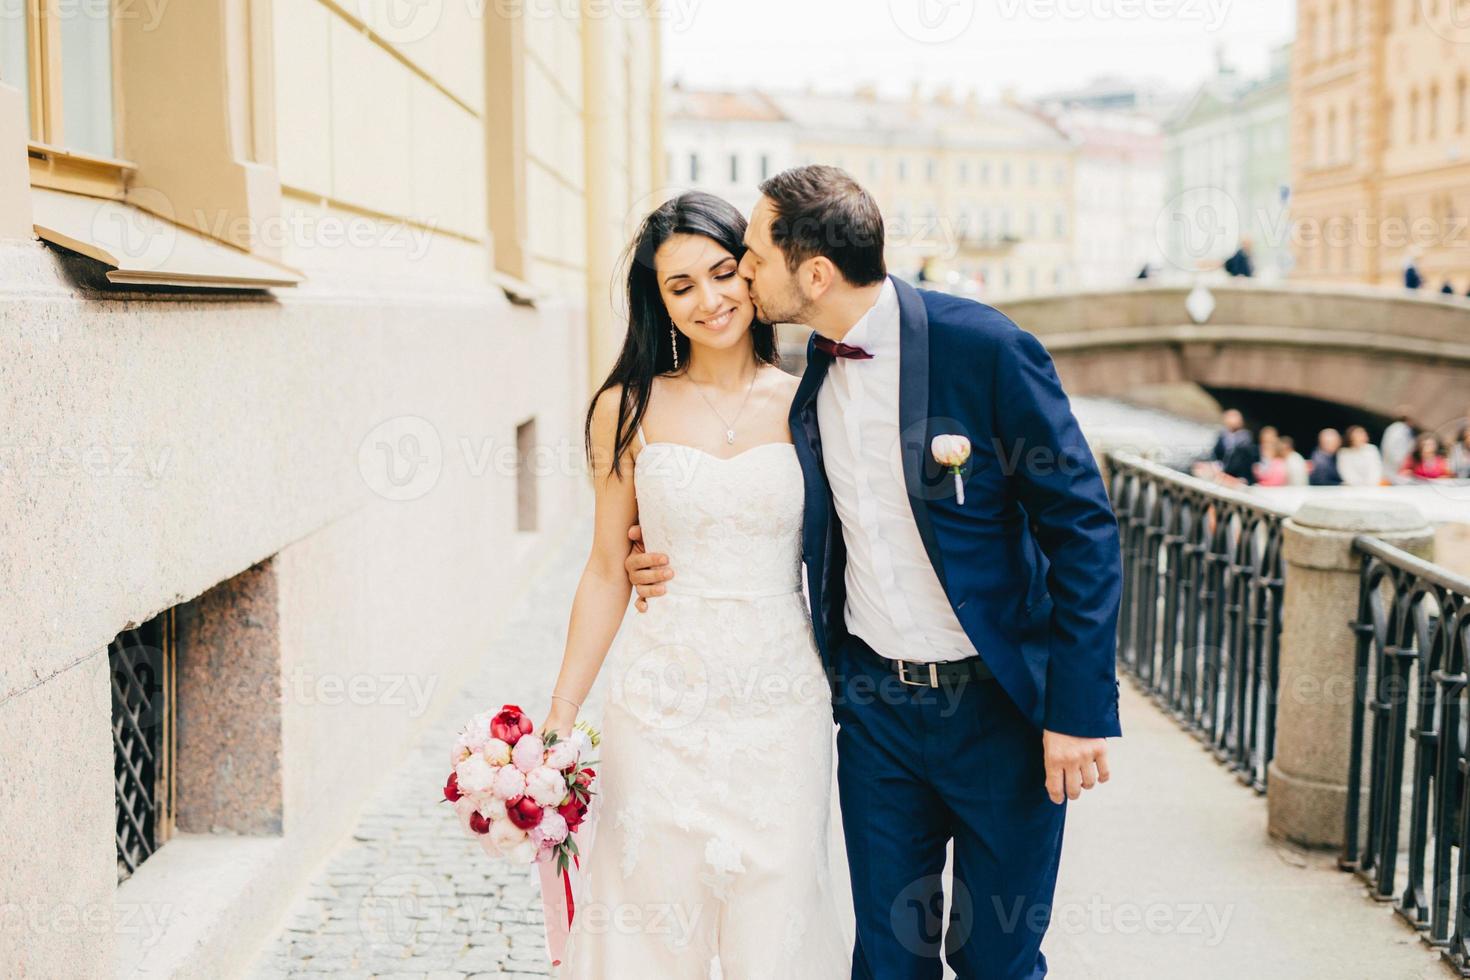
(970, 644)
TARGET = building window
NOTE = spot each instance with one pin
(1433, 121)
(526, 476)
(874, 168)
(734, 168)
(142, 666)
(964, 171)
(765, 166)
(903, 169)
(694, 168)
(1413, 117)
(931, 170)
(1005, 173)
(1460, 104)
(71, 107)
(1060, 225)
(1033, 174)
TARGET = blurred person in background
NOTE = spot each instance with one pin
(1412, 279)
(1234, 455)
(1239, 264)
(1426, 462)
(1270, 471)
(1460, 453)
(1359, 463)
(1398, 439)
(1324, 460)
(1296, 465)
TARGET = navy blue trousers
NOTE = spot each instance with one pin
(918, 767)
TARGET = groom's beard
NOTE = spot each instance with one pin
(793, 308)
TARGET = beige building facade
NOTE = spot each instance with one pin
(1380, 137)
(301, 304)
(981, 195)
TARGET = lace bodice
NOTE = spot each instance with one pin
(730, 526)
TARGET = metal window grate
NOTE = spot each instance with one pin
(141, 664)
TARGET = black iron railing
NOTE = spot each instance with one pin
(141, 662)
(1409, 721)
(1200, 623)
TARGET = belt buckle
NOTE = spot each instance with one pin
(933, 675)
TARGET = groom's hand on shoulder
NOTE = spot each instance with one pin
(646, 570)
(1073, 764)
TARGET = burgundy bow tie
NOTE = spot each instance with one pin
(838, 349)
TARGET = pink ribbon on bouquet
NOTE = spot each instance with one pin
(560, 889)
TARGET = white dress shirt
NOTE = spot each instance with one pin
(894, 599)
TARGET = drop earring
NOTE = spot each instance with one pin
(674, 342)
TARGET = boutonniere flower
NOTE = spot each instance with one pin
(952, 451)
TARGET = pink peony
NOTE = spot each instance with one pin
(496, 752)
(506, 834)
(529, 753)
(476, 732)
(510, 782)
(460, 752)
(510, 724)
(547, 786)
(475, 776)
(562, 755)
(492, 808)
(488, 846)
(552, 829)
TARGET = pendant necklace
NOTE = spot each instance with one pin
(729, 426)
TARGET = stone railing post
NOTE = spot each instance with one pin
(1307, 784)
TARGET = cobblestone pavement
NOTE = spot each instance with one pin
(1167, 871)
(408, 895)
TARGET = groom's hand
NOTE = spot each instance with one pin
(1073, 764)
(647, 571)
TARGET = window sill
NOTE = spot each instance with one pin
(144, 249)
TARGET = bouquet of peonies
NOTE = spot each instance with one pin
(522, 796)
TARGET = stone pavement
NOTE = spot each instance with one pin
(1167, 871)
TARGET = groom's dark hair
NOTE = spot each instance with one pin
(821, 210)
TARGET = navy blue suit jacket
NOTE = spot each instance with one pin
(1030, 562)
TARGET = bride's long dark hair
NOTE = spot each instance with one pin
(647, 351)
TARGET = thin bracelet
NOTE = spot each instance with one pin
(569, 701)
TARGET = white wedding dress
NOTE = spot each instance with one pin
(714, 853)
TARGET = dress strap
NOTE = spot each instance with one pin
(641, 440)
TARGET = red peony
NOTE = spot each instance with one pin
(573, 811)
(479, 824)
(585, 777)
(451, 788)
(510, 724)
(524, 812)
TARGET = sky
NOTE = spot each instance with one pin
(1030, 46)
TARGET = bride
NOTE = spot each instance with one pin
(711, 854)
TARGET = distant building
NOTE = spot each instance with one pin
(1380, 131)
(981, 194)
(1229, 173)
(726, 142)
(1119, 189)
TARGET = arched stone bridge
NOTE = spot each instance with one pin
(1369, 349)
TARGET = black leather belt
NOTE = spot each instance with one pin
(918, 673)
